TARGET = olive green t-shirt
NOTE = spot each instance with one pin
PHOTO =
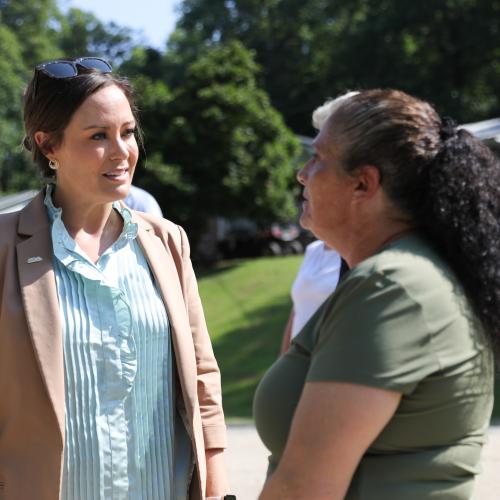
(398, 321)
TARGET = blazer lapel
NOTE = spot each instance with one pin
(39, 293)
(165, 272)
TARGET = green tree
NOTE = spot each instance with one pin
(291, 40)
(82, 33)
(446, 52)
(146, 61)
(224, 149)
(155, 173)
(26, 37)
(14, 168)
(310, 50)
(34, 23)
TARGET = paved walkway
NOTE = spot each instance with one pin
(247, 462)
(488, 482)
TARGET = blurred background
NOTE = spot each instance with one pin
(226, 89)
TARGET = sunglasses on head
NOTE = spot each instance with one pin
(67, 69)
(62, 68)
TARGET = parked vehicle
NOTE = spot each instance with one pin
(247, 239)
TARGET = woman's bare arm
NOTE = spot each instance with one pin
(333, 426)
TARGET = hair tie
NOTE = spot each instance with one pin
(448, 128)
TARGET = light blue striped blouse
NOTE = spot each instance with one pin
(118, 370)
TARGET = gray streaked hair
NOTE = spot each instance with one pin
(323, 112)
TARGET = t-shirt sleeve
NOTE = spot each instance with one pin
(373, 333)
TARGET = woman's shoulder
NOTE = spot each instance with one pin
(8, 226)
(9, 236)
(408, 271)
(165, 229)
(157, 222)
(9, 219)
(411, 275)
(409, 258)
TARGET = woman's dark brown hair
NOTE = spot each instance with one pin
(442, 177)
(49, 104)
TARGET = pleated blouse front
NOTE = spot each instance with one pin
(118, 370)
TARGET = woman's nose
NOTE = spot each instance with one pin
(301, 174)
(120, 149)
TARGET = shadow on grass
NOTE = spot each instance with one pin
(219, 268)
(244, 355)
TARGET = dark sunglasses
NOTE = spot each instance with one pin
(61, 68)
(68, 69)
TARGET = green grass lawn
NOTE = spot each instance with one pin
(247, 303)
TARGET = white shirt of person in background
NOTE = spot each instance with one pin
(316, 280)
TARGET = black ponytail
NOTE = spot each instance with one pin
(461, 215)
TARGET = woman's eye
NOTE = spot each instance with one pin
(99, 136)
(129, 132)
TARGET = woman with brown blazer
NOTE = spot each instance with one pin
(109, 384)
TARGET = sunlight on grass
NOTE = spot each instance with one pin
(247, 304)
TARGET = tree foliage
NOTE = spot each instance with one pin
(310, 50)
(82, 33)
(26, 37)
(33, 24)
(446, 52)
(12, 75)
(224, 149)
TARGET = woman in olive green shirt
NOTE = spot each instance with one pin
(387, 391)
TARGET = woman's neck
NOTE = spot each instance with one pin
(94, 226)
(370, 242)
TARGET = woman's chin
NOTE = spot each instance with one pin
(305, 221)
(121, 192)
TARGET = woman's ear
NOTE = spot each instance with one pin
(42, 140)
(369, 180)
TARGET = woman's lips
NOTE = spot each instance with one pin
(117, 175)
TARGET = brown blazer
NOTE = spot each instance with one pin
(31, 355)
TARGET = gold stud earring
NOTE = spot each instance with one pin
(53, 164)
